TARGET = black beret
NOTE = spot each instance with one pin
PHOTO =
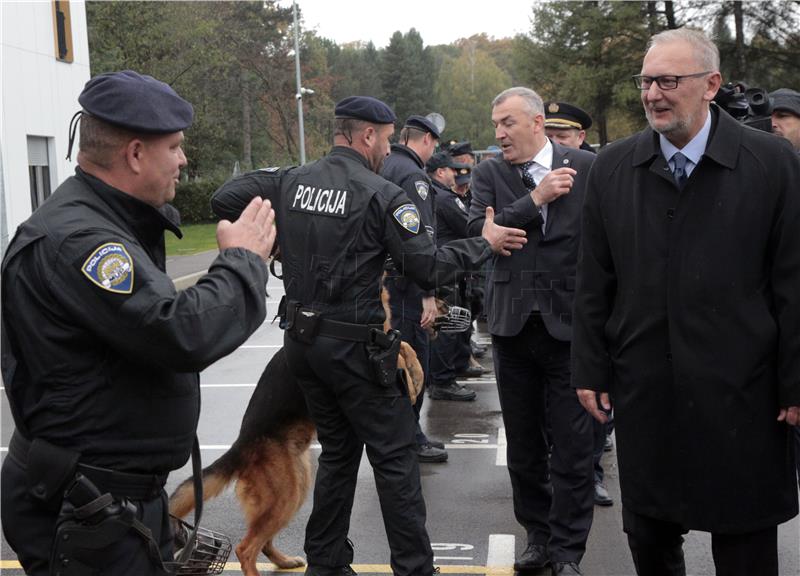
(459, 148)
(136, 102)
(365, 108)
(786, 99)
(424, 124)
(440, 160)
(563, 115)
(463, 173)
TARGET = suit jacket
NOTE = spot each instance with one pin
(543, 272)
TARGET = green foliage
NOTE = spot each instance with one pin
(193, 200)
(196, 238)
(407, 75)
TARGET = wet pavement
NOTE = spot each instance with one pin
(470, 516)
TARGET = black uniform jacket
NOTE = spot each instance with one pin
(452, 213)
(337, 220)
(692, 299)
(543, 272)
(100, 353)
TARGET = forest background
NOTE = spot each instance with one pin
(235, 62)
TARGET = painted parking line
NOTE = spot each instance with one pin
(501, 447)
(501, 550)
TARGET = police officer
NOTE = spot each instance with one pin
(414, 309)
(567, 124)
(451, 218)
(338, 220)
(100, 353)
(786, 117)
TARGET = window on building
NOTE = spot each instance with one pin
(38, 170)
(62, 29)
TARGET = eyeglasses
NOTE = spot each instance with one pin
(664, 82)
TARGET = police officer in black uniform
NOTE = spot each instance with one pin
(451, 224)
(337, 220)
(100, 353)
(414, 309)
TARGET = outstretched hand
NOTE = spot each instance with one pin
(254, 230)
(502, 240)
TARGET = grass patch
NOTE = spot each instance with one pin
(196, 238)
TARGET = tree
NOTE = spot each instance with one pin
(407, 75)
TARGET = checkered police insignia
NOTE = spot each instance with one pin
(422, 188)
(460, 204)
(111, 268)
(408, 217)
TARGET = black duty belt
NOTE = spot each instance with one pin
(307, 324)
(367, 333)
(120, 484)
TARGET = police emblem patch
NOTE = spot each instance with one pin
(110, 267)
(408, 217)
(422, 188)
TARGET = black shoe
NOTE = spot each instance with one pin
(472, 372)
(429, 454)
(601, 497)
(317, 570)
(566, 568)
(535, 557)
(609, 445)
(452, 391)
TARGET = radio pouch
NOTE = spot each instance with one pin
(50, 469)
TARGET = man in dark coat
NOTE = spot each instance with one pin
(538, 185)
(687, 311)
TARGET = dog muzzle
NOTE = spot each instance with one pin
(456, 320)
(209, 553)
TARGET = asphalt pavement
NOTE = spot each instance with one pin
(470, 515)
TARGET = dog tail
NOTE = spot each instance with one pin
(216, 478)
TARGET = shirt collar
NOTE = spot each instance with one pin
(696, 147)
(545, 156)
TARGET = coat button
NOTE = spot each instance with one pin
(671, 213)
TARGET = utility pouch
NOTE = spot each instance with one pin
(50, 468)
(302, 324)
(87, 523)
(383, 350)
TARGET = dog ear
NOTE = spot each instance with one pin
(415, 377)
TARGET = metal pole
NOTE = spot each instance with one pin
(299, 95)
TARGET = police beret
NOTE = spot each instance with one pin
(440, 160)
(563, 115)
(459, 148)
(136, 102)
(424, 124)
(463, 173)
(786, 99)
(365, 108)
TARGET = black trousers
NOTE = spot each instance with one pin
(29, 529)
(657, 549)
(443, 353)
(350, 411)
(553, 497)
(407, 319)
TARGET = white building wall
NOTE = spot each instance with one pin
(39, 96)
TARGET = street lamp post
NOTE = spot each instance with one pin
(300, 90)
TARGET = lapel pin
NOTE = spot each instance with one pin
(565, 161)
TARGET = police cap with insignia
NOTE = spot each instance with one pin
(440, 160)
(786, 100)
(365, 108)
(564, 115)
(460, 148)
(463, 174)
(424, 124)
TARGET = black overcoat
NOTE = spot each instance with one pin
(692, 299)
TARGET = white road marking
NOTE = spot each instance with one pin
(501, 550)
(501, 447)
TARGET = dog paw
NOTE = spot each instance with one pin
(294, 562)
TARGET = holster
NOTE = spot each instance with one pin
(87, 523)
(302, 324)
(383, 350)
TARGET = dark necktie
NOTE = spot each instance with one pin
(679, 160)
(527, 178)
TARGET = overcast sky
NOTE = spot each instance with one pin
(437, 21)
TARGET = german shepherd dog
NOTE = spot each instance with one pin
(270, 460)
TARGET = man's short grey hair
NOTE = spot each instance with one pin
(705, 51)
(532, 99)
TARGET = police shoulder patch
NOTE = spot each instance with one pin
(422, 188)
(407, 216)
(110, 267)
(461, 205)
